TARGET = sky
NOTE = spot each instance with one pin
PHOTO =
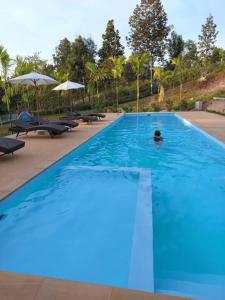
(38, 26)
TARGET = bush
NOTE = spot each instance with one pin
(83, 106)
(169, 104)
(128, 109)
(156, 107)
(184, 105)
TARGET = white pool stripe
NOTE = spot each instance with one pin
(141, 276)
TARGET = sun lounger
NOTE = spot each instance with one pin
(24, 127)
(78, 116)
(69, 116)
(88, 119)
(98, 115)
(8, 145)
(67, 123)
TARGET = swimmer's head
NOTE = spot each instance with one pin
(157, 133)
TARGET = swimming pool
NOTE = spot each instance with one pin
(122, 211)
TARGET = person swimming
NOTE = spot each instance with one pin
(157, 137)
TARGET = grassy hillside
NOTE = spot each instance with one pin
(214, 86)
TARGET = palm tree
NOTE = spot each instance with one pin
(138, 65)
(178, 63)
(117, 71)
(22, 66)
(5, 65)
(92, 69)
(97, 74)
(159, 75)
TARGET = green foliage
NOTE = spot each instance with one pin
(96, 75)
(70, 58)
(111, 46)
(161, 76)
(207, 39)
(5, 65)
(156, 107)
(24, 65)
(218, 56)
(117, 71)
(62, 53)
(118, 66)
(190, 53)
(82, 51)
(179, 65)
(184, 105)
(175, 45)
(149, 30)
(138, 64)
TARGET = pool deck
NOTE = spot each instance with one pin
(211, 123)
(23, 287)
(39, 153)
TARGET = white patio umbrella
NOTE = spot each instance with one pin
(34, 79)
(68, 85)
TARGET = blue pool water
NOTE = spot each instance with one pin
(122, 211)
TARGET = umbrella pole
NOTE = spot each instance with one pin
(59, 106)
(37, 102)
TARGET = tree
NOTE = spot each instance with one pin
(158, 75)
(175, 45)
(138, 65)
(37, 62)
(149, 30)
(91, 48)
(82, 51)
(178, 63)
(97, 74)
(62, 53)
(117, 71)
(111, 46)
(6, 64)
(22, 66)
(207, 39)
(218, 55)
(190, 53)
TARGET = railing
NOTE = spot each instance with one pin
(5, 119)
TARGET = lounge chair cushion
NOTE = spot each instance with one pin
(8, 145)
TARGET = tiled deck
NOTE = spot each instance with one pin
(39, 153)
